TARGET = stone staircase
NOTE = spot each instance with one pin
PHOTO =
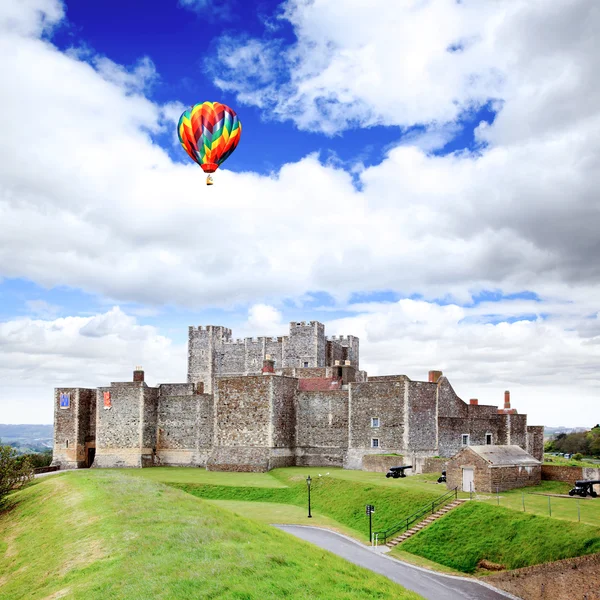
(430, 519)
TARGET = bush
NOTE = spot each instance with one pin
(578, 456)
(37, 459)
(15, 472)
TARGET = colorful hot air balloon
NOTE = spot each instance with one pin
(209, 133)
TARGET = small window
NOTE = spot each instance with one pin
(66, 443)
(305, 364)
(465, 439)
(488, 439)
(374, 421)
(375, 443)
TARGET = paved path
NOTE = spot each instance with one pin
(431, 585)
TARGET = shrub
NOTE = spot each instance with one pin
(14, 471)
(578, 456)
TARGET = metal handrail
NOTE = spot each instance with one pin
(430, 507)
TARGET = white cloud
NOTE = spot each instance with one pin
(89, 201)
(420, 62)
(38, 355)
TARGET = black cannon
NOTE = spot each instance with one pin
(442, 479)
(396, 472)
(585, 487)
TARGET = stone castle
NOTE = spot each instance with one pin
(257, 404)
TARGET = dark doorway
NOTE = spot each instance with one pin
(91, 454)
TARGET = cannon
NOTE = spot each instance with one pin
(442, 479)
(396, 472)
(585, 487)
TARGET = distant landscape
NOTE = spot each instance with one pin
(37, 438)
(27, 438)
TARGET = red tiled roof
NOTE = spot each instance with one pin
(319, 384)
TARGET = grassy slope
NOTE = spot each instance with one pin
(562, 508)
(341, 495)
(100, 534)
(478, 531)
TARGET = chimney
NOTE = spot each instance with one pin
(434, 376)
(200, 387)
(473, 402)
(268, 365)
(506, 400)
(138, 374)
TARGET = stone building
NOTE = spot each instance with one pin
(492, 469)
(257, 404)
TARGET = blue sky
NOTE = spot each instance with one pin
(425, 181)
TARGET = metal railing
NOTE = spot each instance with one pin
(426, 509)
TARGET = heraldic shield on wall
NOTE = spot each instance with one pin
(107, 400)
(65, 400)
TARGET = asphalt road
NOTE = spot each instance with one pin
(431, 585)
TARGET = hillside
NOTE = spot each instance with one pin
(477, 531)
(27, 438)
(101, 534)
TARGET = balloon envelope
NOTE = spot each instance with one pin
(209, 133)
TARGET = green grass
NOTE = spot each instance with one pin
(286, 514)
(562, 461)
(570, 509)
(105, 534)
(338, 495)
(476, 531)
(196, 475)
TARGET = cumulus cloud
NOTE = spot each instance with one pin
(406, 63)
(96, 205)
(37, 355)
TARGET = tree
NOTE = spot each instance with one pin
(14, 473)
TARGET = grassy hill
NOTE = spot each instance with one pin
(476, 531)
(339, 495)
(106, 534)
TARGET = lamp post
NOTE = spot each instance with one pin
(308, 480)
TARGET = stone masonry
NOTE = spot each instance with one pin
(257, 404)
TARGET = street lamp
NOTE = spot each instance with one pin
(308, 480)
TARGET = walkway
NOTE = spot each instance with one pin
(431, 585)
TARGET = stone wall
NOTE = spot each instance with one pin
(306, 344)
(123, 429)
(74, 427)
(422, 417)
(508, 478)
(561, 473)
(535, 441)
(384, 400)
(184, 429)
(433, 465)
(467, 458)
(379, 463)
(321, 428)
(254, 423)
(573, 578)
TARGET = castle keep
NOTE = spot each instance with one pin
(257, 404)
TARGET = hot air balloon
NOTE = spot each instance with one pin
(209, 133)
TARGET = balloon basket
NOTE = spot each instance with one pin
(209, 180)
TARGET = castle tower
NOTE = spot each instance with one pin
(306, 345)
(205, 348)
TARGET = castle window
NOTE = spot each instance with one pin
(375, 443)
(465, 439)
(488, 439)
(374, 421)
(305, 364)
(66, 443)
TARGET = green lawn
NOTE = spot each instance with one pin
(204, 477)
(106, 534)
(337, 494)
(562, 461)
(570, 509)
(476, 531)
